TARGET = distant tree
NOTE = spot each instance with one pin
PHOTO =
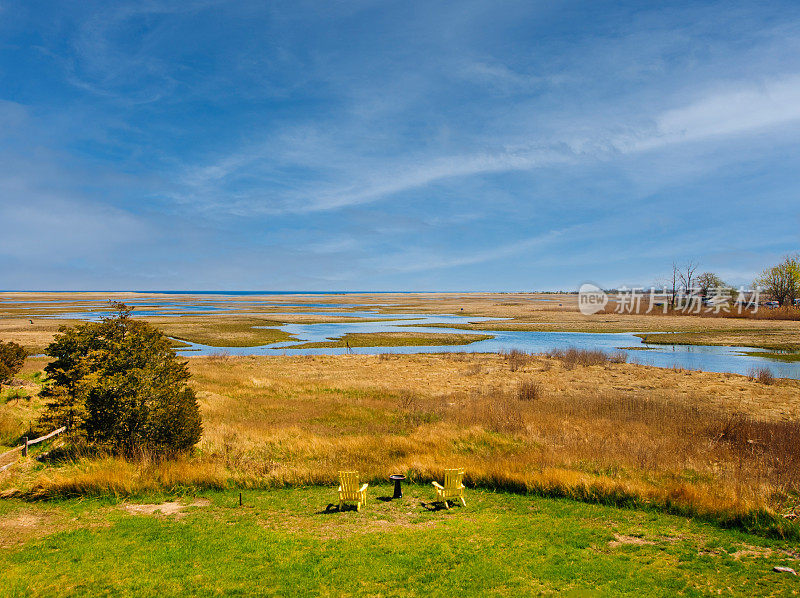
(119, 384)
(682, 280)
(12, 358)
(675, 279)
(686, 274)
(708, 282)
(782, 282)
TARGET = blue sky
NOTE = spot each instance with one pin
(468, 145)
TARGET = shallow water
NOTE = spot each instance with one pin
(693, 357)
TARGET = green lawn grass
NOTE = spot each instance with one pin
(294, 542)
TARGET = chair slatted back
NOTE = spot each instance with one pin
(453, 478)
(350, 483)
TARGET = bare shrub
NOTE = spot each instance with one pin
(515, 358)
(529, 390)
(618, 357)
(762, 376)
(573, 356)
(457, 356)
(221, 355)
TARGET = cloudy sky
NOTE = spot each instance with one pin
(382, 145)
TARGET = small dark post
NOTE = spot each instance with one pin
(25, 446)
(240, 499)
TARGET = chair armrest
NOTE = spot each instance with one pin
(437, 485)
(364, 487)
(340, 488)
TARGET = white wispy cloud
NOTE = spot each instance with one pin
(101, 67)
(369, 180)
(740, 110)
(419, 260)
(737, 110)
(395, 180)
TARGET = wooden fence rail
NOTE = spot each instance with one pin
(26, 443)
(11, 452)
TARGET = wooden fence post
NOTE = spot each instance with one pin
(24, 446)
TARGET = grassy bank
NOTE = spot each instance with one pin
(222, 331)
(396, 339)
(777, 356)
(293, 543)
(771, 339)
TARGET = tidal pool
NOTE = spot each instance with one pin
(692, 357)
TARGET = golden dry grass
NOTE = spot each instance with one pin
(34, 337)
(692, 441)
(20, 404)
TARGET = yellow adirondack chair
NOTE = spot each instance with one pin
(349, 490)
(453, 487)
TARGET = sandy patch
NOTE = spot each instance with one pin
(26, 525)
(165, 508)
(761, 552)
(621, 539)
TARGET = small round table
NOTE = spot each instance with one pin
(397, 478)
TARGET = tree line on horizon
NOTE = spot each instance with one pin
(781, 282)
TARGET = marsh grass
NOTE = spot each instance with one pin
(34, 337)
(223, 330)
(710, 445)
(785, 356)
